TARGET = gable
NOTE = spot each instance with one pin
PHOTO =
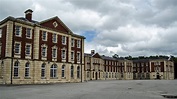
(56, 24)
(96, 55)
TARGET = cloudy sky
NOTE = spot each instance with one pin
(123, 27)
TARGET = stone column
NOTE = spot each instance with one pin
(36, 43)
(9, 39)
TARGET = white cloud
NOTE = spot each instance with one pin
(125, 27)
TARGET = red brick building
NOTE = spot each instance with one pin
(39, 52)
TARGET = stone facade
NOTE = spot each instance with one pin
(24, 60)
(153, 69)
(100, 67)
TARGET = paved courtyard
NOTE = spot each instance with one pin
(114, 89)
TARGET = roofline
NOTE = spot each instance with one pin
(10, 18)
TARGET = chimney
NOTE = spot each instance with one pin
(28, 14)
(92, 52)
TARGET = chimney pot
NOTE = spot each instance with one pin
(28, 14)
(92, 52)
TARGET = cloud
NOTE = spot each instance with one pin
(124, 27)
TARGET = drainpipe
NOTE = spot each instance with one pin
(81, 61)
(12, 60)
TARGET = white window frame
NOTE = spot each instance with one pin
(72, 42)
(19, 30)
(64, 40)
(16, 69)
(54, 38)
(54, 49)
(78, 43)
(53, 71)
(72, 55)
(28, 54)
(78, 56)
(43, 70)
(44, 39)
(29, 33)
(19, 52)
(63, 54)
(27, 70)
(42, 51)
(63, 71)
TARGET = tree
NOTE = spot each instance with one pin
(115, 56)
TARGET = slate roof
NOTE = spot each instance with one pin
(36, 23)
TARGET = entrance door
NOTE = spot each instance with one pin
(96, 74)
(158, 76)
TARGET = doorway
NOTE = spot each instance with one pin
(157, 76)
(96, 76)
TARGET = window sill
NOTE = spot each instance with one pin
(63, 77)
(27, 77)
(43, 77)
(16, 77)
(53, 77)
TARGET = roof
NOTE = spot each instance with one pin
(107, 57)
(36, 23)
(87, 55)
(141, 60)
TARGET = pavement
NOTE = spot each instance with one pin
(110, 89)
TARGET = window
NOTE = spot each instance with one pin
(18, 31)
(43, 70)
(78, 56)
(63, 54)
(27, 67)
(16, 69)
(64, 40)
(54, 53)
(63, 71)
(44, 36)
(72, 42)
(28, 33)
(55, 24)
(78, 71)
(17, 48)
(54, 39)
(0, 33)
(72, 55)
(28, 49)
(88, 74)
(78, 43)
(72, 71)
(53, 71)
(44, 51)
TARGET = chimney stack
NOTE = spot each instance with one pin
(92, 52)
(28, 14)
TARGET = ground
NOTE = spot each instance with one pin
(113, 89)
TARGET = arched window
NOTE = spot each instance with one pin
(27, 69)
(43, 70)
(72, 71)
(78, 71)
(63, 71)
(53, 71)
(16, 68)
